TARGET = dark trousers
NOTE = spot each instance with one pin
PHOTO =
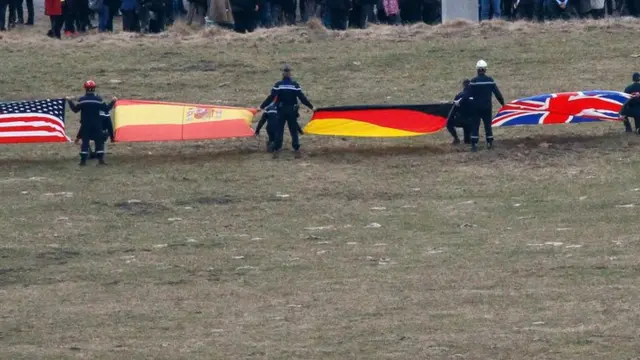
(556, 12)
(85, 148)
(636, 120)
(82, 14)
(411, 11)
(359, 16)
(484, 116)
(272, 126)
(432, 12)
(105, 19)
(527, 11)
(156, 25)
(20, 12)
(3, 14)
(287, 116)
(130, 21)
(70, 16)
(56, 26)
(634, 7)
(244, 21)
(451, 127)
(339, 19)
(289, 11)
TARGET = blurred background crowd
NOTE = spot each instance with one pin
(70, 17)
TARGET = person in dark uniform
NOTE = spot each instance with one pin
(481, 89)
(244, 15)
(270, 117)
(286, 93)
(107, 130)
(91, 123)
(631, 109)
(459, 116)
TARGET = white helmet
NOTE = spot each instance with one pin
(481, 64)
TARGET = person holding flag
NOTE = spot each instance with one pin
(91, 122)
(631, 109)
(285, 94)
(481, 89)
(459, 116)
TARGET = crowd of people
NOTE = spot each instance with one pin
(70, 17)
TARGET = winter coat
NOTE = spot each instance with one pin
(220, 12)
(128, 5)
(53, 7)
(243, 5)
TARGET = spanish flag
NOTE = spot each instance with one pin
(379, 120)
(140, 120)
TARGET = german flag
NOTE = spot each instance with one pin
(379, 120)
(140, 120)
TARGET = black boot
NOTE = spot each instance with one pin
(455, 141)
(83, 159)
(627, 126)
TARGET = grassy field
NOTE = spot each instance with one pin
(212, 250)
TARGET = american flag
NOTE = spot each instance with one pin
(562, 108)
(35, 121)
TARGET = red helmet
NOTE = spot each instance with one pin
(90, 85)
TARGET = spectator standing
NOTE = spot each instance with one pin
(558, 9)
(130, 22)
(244, 15)
(634, 7)
(339, 13)
(4, 4)
(525, 9)
(490, 9)
(197, 7)
(53, 9)
(20, 13)
(219, 11)
(360, 13)
(389, 12)
(597, 9)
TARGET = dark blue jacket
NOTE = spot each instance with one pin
(286, 93)
(107, 127)
(91, 123)
(464, 109)
(632, 106)
(481, 89)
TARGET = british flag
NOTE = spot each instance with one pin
(562, 108)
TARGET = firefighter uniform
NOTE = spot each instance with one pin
(631, 108)
(459, 117)
(481, 89)
(286, 93)
(107, 130)
(270, 117)
(91, 123)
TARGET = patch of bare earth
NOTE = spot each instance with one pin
(377, 249)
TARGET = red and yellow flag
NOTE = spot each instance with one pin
(140, 120)
(379, 120)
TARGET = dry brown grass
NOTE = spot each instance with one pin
(519, 253)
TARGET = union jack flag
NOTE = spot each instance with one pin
(562, 108)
